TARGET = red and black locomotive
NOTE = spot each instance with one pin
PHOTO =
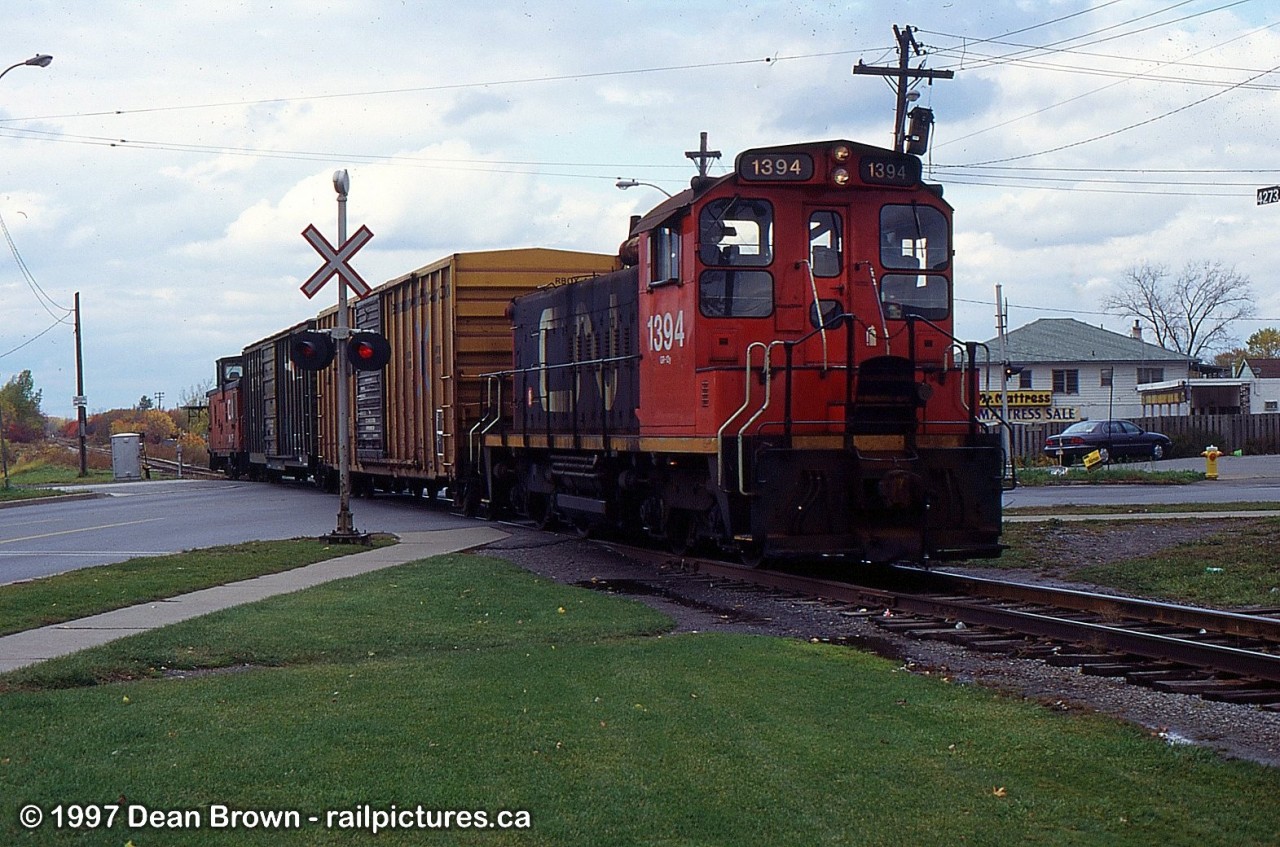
(767, 367)
(774, 371)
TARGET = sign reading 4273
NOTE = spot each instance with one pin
(1269, 195)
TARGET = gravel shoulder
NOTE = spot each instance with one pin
(699, 604)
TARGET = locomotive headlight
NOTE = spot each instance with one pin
(840, 176)
(841, 153)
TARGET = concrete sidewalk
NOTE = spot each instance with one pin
(36, 645)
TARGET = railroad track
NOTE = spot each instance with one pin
(1217, 655)
(185, 470)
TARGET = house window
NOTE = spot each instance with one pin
(1105, 377)
(1146, 375)
(1066, 382)
(1024, 380)
(1271, 406)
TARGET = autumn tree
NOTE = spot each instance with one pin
(153, 425)
(1190, 312)
(20, 409)
(1264, 344)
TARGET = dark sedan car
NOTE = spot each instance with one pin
(1116, 439)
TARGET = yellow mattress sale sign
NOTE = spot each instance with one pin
(1026, 407)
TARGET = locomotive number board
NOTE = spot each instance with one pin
(889, 170)
(775, 167)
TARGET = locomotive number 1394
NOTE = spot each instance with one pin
(666, 331)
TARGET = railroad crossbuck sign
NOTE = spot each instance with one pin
(335, 261)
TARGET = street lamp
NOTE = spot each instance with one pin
(41, 60)
(632, 183)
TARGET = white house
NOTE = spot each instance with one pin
(1062, 369)
(1263, 378)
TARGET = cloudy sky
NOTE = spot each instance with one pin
(166, 162)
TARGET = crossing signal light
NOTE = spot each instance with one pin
(310, 350)
(368, 351)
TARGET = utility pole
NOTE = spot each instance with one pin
(903, 74)
(81, 413)
(1002, 320)
(702, 156)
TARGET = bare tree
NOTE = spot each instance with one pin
(1190, 313)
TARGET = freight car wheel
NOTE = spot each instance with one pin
(472, 494)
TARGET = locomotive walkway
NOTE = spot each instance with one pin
(36, 645)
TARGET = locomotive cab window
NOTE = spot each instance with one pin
(914, 236)
(828, 317)
(735, 294)
(825, 253)
(664, 256)
(736, 232)
(919, 295)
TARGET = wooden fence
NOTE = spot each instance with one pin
(1190, 434)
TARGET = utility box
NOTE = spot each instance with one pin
(126, 461)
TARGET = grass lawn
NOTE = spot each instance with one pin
(1110, 474)
(1235, 564)
(88, 591)
(1143, 508)
(464, 683)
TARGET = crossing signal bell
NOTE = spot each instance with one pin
(311, 350)
(368, 351)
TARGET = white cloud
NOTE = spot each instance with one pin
(166, 164)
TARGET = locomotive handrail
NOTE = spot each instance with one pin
(767, 372)
(884, 322)
(550, 367)
(817, 311)
(745, 402)
(788, 346)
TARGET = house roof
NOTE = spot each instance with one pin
(1070, 340)
(1262, 368)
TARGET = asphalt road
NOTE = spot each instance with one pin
(154, 518)
(1240, 478)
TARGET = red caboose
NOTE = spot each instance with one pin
(776, 373)
(226, 419)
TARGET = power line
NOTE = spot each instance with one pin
(1145, 75)
(1141, 123)
(767, 60)
(42, 297)
(45, 331)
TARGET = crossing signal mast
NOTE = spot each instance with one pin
(913, 139)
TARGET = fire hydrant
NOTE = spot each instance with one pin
(1211, 455)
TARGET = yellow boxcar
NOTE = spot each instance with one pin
(447, 324)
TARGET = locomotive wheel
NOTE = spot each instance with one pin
(540, 510)
(682, 532)
(752, 555)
